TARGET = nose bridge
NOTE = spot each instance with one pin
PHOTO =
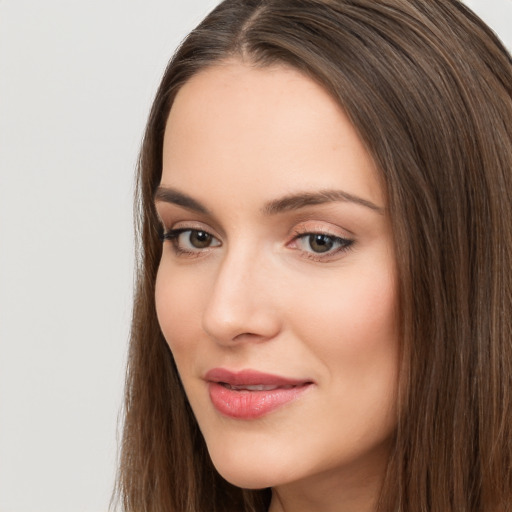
(240, 306)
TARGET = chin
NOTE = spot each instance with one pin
(247, 481)
(250, 472)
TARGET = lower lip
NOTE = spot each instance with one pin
(249, 405)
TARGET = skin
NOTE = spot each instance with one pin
(259, 295)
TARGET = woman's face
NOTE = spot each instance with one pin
(276, 291)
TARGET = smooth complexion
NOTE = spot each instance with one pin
(278, 258)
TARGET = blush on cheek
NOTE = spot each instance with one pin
(178, 310)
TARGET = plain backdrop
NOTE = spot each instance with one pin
(76, 84)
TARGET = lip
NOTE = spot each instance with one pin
(250, 394)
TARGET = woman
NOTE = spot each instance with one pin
(323, 310)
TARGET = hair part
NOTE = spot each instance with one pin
(428, 87)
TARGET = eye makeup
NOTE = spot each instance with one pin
(190, 242)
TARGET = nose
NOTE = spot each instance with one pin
(241, 305)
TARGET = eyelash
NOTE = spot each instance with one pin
(173, 236)
(344, 244)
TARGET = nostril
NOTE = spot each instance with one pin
(255, 328)
(248, 335)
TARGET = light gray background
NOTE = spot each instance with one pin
(76, 82)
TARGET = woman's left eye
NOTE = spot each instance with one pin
(321, 243)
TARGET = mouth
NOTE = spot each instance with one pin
(255, 387)
(250, 394)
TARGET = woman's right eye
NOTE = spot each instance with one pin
(188, 240)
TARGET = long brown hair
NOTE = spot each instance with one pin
(428, 87)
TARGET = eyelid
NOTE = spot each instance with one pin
(172, 216)
(325, 228)
(172, 234)
(191, 225)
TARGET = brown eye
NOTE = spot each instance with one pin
(200, 239)
(321, 243)
(190, 241)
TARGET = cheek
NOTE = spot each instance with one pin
(352, 329)
(354, 334)
(360, 310)
(178, 308)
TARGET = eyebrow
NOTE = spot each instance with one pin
(173, 196)
(301, 200)
(273, 207)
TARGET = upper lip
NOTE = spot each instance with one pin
(251, 378)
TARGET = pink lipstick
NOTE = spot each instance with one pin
(250, 394)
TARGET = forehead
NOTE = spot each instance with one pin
(237, 122)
